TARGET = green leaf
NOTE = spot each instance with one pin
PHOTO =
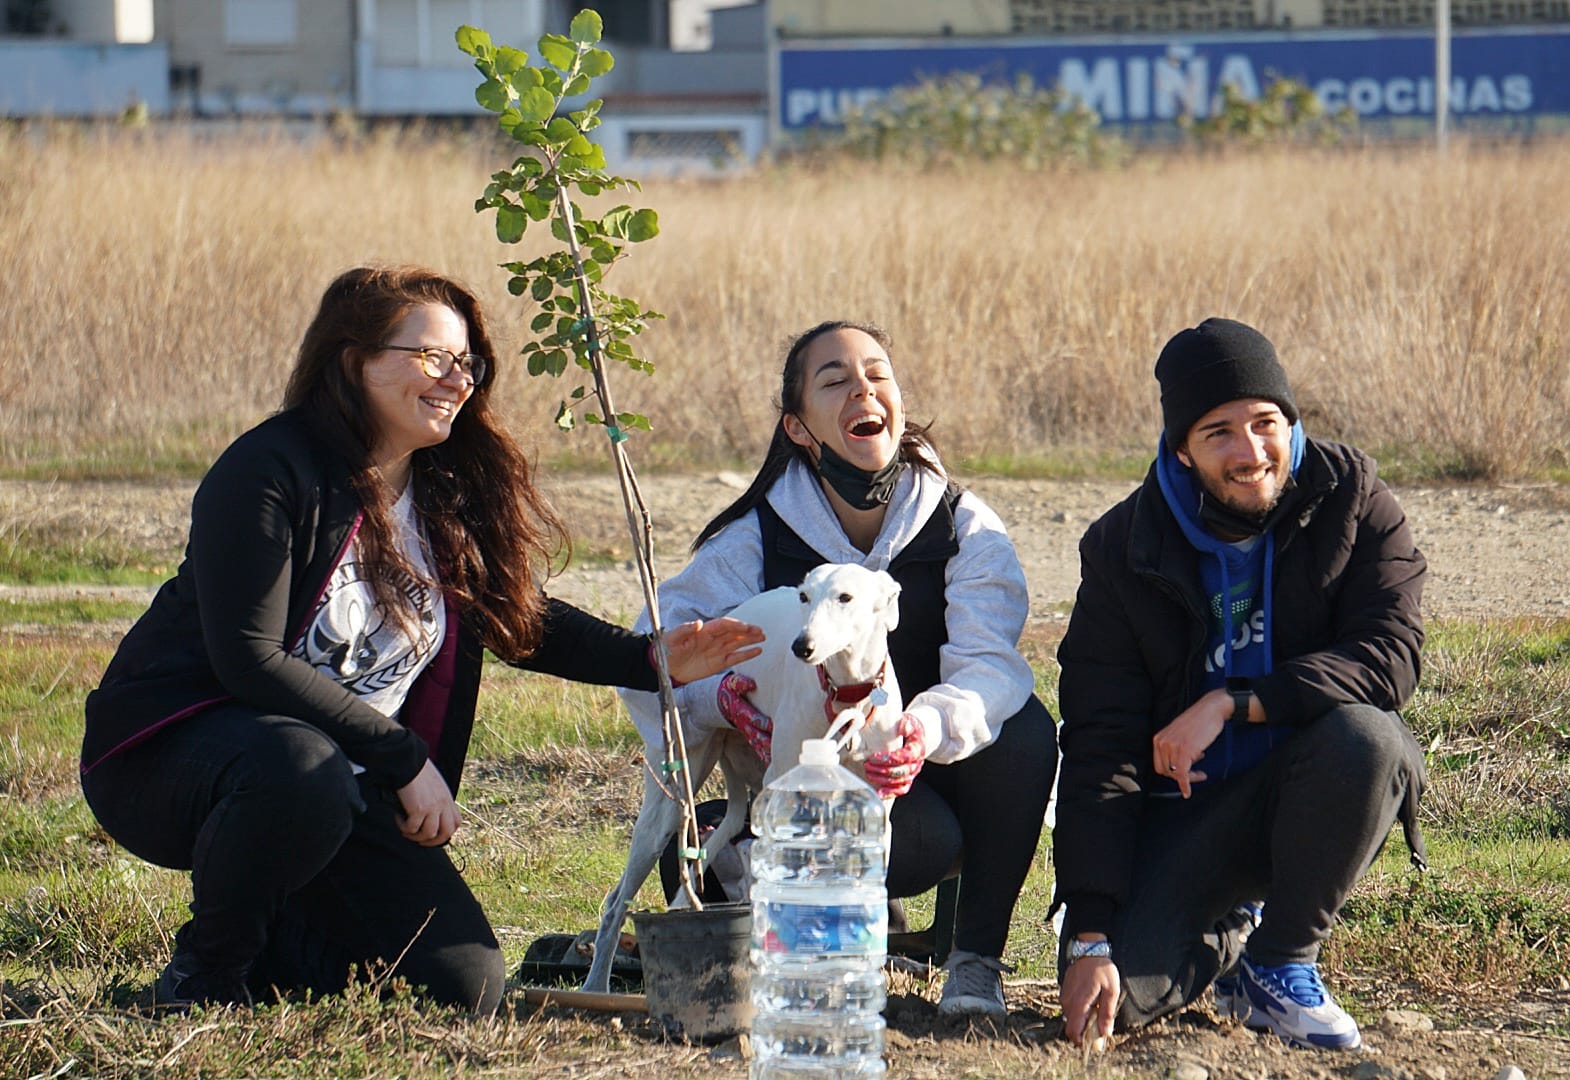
(536, 103)
(552, 82)
(540, 290)
(517, 286)
(587, 26)
(578, 145)
(473, 40)
(588, 187)
(559, 229)
(578, 85)
(558, 52)
(577, 395)
(616, 220)
(595, 158)
(542, 320)
(564, 417)
(526, 78)
(493, 96)
(510, 223)
(567, 304)
(556, 361)
(645, 226)
(537, 364)
(633, 420)
(509, 60)
(596, 62)
(537, 208)
(561, 130)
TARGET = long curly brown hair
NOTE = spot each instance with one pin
(493, 536)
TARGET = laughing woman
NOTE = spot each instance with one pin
(290, 718)
(845, 481)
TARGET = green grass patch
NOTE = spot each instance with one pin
(520, 710)
(31, 556)
(1064, 464)
(554, 783)
(1505, 677)
(181, 451)
(69, 611)
(1495, 915)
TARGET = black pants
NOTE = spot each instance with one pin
(298, 870)
(1297, 831)
(981, 816)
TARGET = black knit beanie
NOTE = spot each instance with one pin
(1216, 362)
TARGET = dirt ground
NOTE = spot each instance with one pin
(1493, 552)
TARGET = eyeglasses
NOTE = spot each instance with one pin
(438, 363)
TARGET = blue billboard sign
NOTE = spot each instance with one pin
(1147, 79)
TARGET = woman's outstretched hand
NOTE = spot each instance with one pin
(430, 817)
(699, 649)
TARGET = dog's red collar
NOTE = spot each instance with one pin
(841, 696)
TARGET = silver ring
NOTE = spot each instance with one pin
(1172, 767)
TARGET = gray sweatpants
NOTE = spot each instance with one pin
(1297, 831)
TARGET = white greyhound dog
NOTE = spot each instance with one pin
(824, 672)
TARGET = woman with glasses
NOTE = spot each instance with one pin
(290, 718)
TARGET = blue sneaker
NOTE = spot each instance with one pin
(1291, 1001)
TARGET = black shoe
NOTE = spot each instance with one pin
(185, 982)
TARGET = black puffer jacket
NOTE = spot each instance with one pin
(270, 521)
(1347, 629)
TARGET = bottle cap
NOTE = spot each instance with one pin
(819, 752)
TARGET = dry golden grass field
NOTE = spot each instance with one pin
(155, 284)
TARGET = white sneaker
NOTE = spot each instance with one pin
(1291, 1001)
(974, 986)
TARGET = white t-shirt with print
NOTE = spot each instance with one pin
(349, 637)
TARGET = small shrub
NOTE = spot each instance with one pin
(1287, 111)
(961, 119)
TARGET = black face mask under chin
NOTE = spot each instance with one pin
(862, 489)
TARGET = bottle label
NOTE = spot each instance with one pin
(825, 928)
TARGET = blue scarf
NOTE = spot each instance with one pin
(1237, 581)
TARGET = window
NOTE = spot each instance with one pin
(261, 22)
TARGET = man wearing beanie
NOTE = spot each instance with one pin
(1245, 631)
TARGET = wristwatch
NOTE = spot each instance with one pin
(1078, 950)
(1242, 696)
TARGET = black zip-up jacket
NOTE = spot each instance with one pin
(1347, 629)
(269, 522)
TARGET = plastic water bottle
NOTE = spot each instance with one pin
(820, 922)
